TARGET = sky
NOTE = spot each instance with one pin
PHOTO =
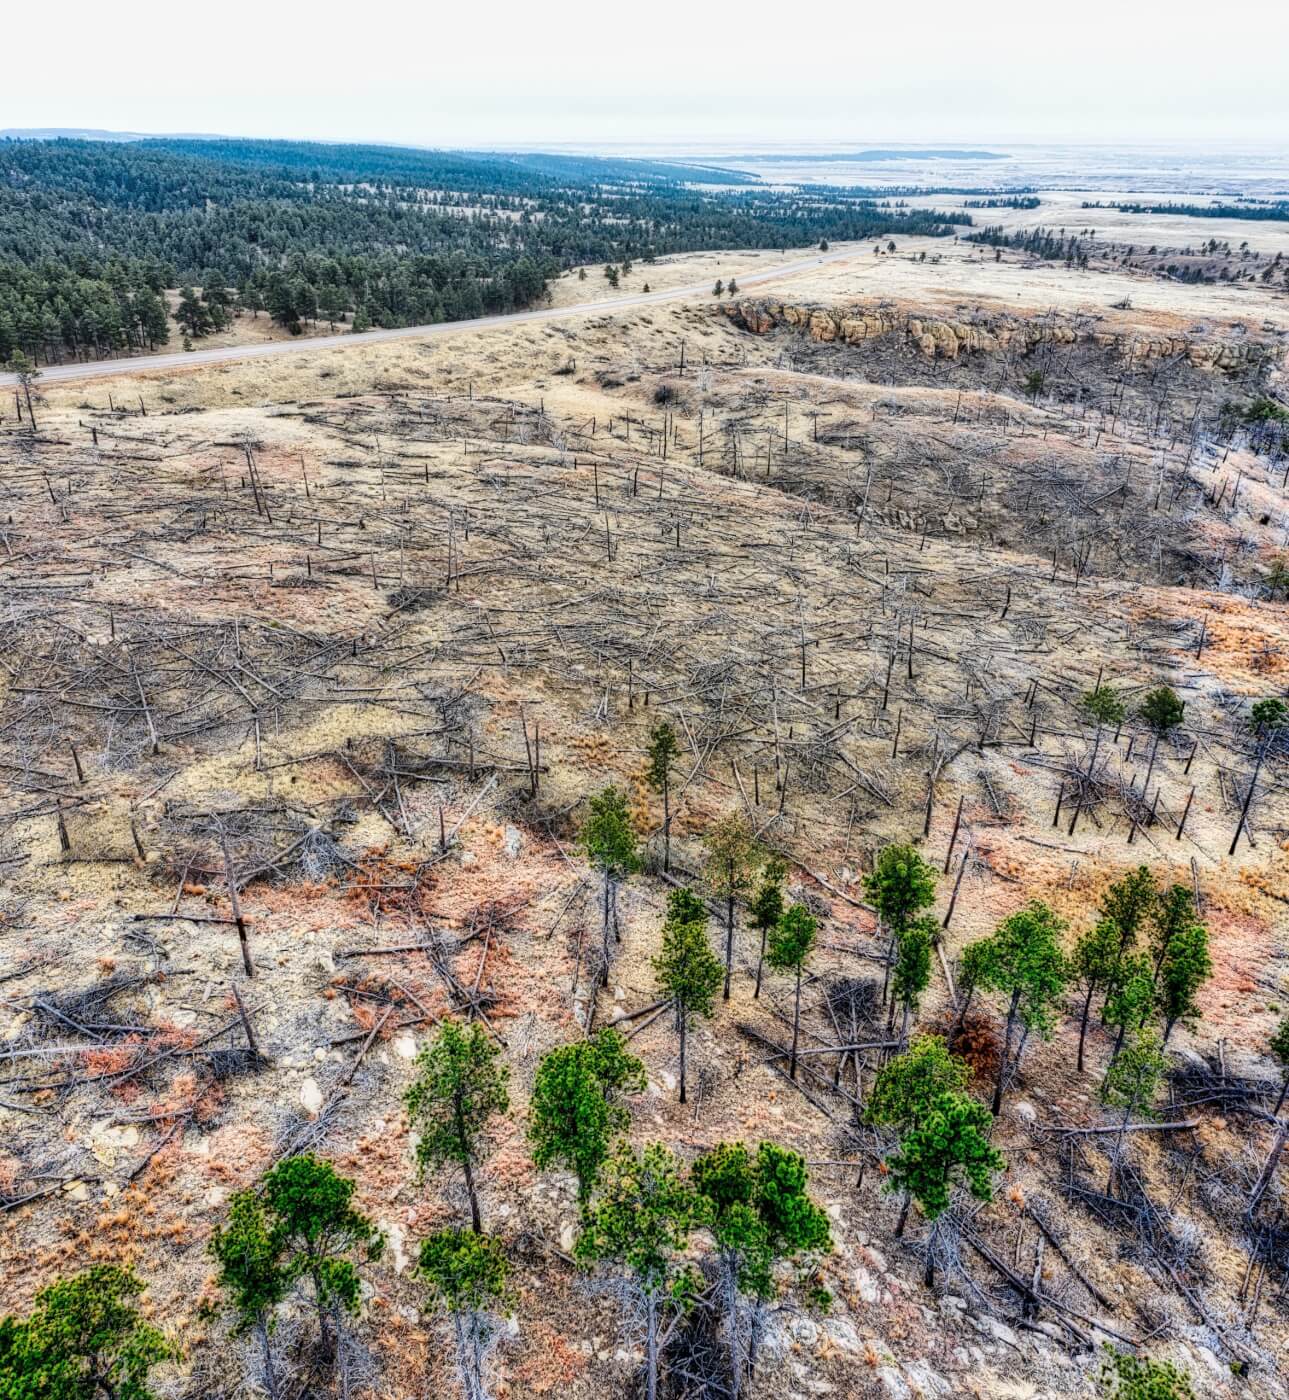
(575, 72)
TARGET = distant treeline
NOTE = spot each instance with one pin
(481, 172)
(1016, 201)
(1053, 245)
(902, 192)
(92, 232)
(1270, 210)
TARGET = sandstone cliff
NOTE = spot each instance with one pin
(949, 339)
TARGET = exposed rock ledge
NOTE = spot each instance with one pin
(941, 338)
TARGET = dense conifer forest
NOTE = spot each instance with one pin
(93, 233)
(1270, 210)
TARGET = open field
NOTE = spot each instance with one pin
(350, 636)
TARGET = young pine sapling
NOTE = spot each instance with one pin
(732, 861)
(766, 909)
(791, 940)
(609, 841)
(663, 752)
(687, 971)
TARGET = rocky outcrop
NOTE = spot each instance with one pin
(937, 338)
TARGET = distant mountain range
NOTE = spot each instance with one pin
(93, 133)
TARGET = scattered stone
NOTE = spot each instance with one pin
(894, 1384)
(311, 1097)
(841, 1332)
(998, 1330)
(1210, 1360)
(925, 1381)
(108, 1142)
(395, 1234)
(869, 1289)
(805, 1330)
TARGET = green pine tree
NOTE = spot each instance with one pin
(311, 1210)
(909, 1083)
(26, 373)
(912, 973)
(900, 884)
(663, 751)
(641, 1219)
(1095, 963)
(251, 1252)
(1104, 705)
(1266, 716)
(1132, 1082)
(193, 315)
(84, 1339)
(1129, 1000)
(687, 971)
(733, 858)
(465, 1274)
(574, 1110)
(943, 1132)
(1128, 1377)
(1279, 1047)
(767, 908)
(1023, 961)
(1161, 709)
(1128, 902)
(219, 300)
(791, 940)
(609, 841)
(971, 971)
(948, 1145)
(759, 1215)
(459, 1087)
(1186, 966)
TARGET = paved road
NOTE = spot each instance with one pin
(99, 369)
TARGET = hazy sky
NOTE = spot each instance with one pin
(1101, 70)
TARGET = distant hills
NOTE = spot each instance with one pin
(93, 133)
